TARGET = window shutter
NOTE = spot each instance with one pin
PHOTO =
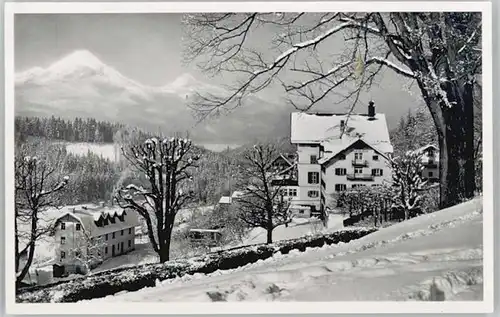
(374, 172)
(381, 172)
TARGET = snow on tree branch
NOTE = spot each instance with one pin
(166, 166)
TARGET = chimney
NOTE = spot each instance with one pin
(371, 109)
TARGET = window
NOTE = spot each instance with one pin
(63, 255)
(340, 187)
(357, 185)
(377, 172)
(63, 226)
(118, 247)
(358, 170)
(129, 243)
(105, 250)
(78, 227)
(358, 156)
(375, 157)
(340, 171)
(313, 177)
(314, 159)
(129, 230)
(63, 240)
(313, 193)
(301, 211)
(292, 192)
(106, 236)
(121, 233)
(113, 235)
(431, 174)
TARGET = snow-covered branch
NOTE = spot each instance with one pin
(383, 61)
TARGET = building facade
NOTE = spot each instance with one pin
(338, 151)
(430, 161)
(87, 236)
(357, 165)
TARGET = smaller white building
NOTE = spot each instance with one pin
(430, 160)
(88, 235)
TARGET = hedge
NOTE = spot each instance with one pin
(134, 278)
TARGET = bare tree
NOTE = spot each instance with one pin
(408, 182)
(166, 168)
(440, 51)
(87, 250)
(263, 203)
(37, 183)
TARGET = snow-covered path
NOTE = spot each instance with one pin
(396, 263)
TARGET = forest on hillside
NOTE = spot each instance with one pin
(77, 130)
(95, 178)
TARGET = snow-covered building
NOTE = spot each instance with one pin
(88, 235)
(339, 151)
(228, 200)
(430, 160)
(284, 175)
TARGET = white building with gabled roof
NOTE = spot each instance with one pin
(430, 161)
(80, 229)
(339, 151)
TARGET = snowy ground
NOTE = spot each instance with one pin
(436, 256)
(105, 150)
(298, 228)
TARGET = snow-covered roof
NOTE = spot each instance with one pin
(225, 200)
(204, 230)
(426, 147)
(423, 151)
(237, 194)
(289, 158)
(89, 218)
(324, 127)
(335, 146)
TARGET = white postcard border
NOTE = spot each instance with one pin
(485, 306)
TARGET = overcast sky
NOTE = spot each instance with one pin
(146, 48)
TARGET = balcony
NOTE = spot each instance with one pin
(430, 164)
(359, 162)
(360, 177)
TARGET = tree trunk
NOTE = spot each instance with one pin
(25, 270)
(165, 251)
(16, 244)
(455, 128)
(165, 245)
(269, 235)
(456, 168)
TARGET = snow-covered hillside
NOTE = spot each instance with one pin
(107, 151)
(437, 256)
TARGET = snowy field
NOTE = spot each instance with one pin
(299, 227)
(107, 151)
(436, 256)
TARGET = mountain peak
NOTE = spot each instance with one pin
(78, 58)
(184, 80)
